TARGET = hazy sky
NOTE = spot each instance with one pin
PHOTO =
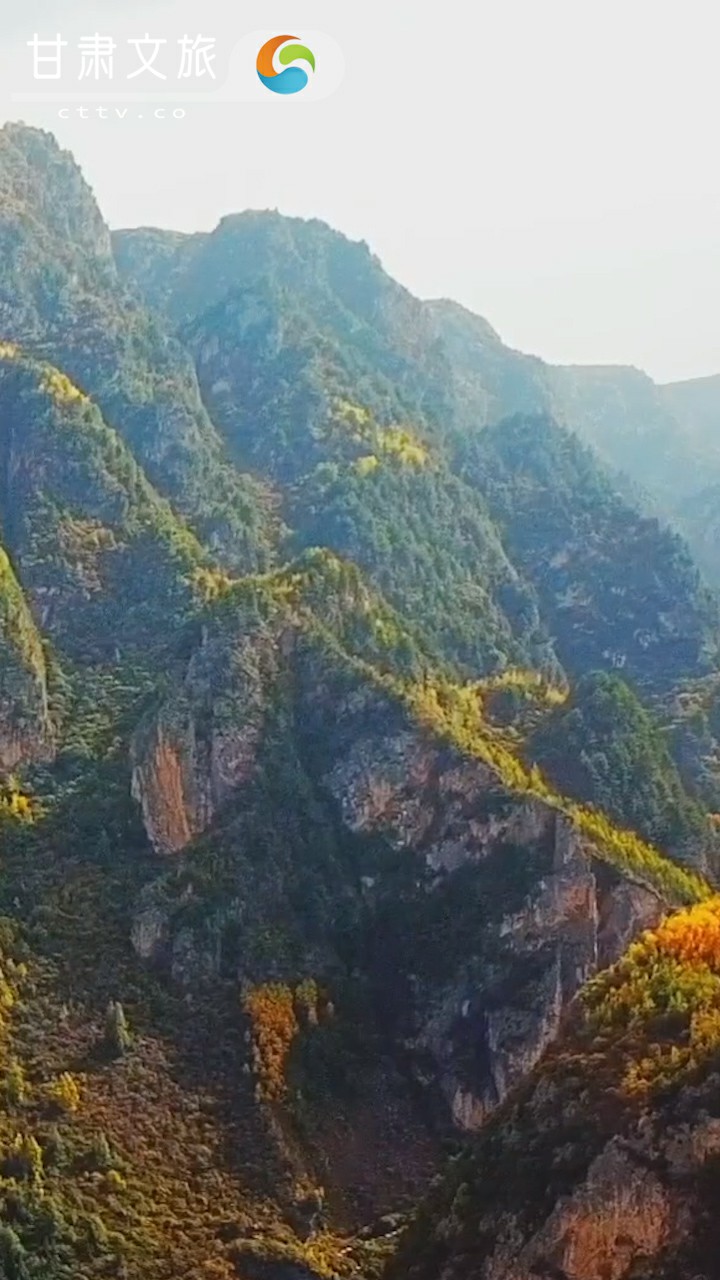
(552, 164)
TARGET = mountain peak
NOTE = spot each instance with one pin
(452, 312)
(41, 183)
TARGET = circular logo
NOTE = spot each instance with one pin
(293, 78)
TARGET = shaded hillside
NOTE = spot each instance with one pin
(25, 727)
(635, 425)
(488, 380)
(697, 404)
(448, 364)
(617, 590)
(391, 473)
(297, 406)
(343, 287)
(375, 914)
(104, 562)
(603, 746)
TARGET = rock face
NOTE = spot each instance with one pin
(501, 913)
(201, 747)
(635, 1205)
(485, 1030)
(621, 1212)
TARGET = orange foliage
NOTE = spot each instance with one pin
(271, 1010)
(278, 1014)
(666, 990)
(693, 936)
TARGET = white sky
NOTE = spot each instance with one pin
(552, 164)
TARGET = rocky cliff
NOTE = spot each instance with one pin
(481, 913)
(607, 1161)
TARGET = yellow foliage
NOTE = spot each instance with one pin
(7, 993)
(403, 445)
(693, 936)
(353, 415)
(532, 683)
(455, 711)
(307, 999)
(211, 584)
(59, 387)
(26, 1154)
(15, 1085)
(666, 989)
(64, 1092)
(366, 464)
(398, 444)
(9, 351)
(15, 804)
(115, 1181)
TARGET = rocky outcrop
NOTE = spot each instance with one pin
(623, 1211)
(200, 749)
(541, 912)
(635, 1205)
(490, 1024)
(23, 743)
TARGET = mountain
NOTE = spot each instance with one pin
(373, 915)
(359, 752)
(450, 364)
(362, 479)
(301, 391)
(342, 285)
(697, 404)
(635, 425)
(62, 301)
(609, 580)
(103, 562)
(286, 320)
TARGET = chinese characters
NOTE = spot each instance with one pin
(144, 58)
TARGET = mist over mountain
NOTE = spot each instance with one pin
(359, 772)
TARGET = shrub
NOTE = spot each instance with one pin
(64, 1093)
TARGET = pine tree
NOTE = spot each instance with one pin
(100, 1153)
(117, 1033)
(12, 1255)
(15, 1086)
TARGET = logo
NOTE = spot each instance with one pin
(293, 78)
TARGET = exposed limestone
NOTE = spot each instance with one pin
(481, 1031)
(621, 1212)
(200, 748)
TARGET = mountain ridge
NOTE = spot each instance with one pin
(327, 649)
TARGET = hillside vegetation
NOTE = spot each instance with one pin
(359, 774)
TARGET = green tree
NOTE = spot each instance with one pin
(117, 1032)
(12, 1256)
